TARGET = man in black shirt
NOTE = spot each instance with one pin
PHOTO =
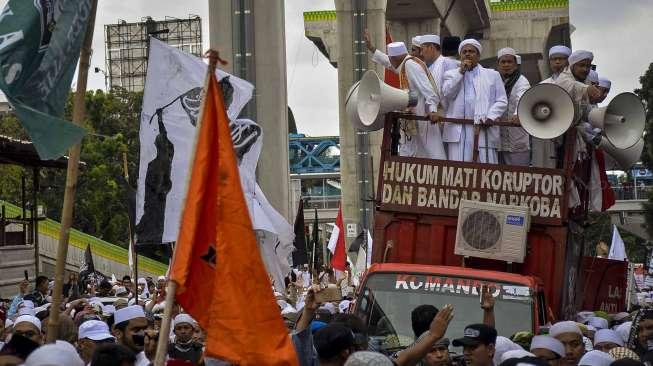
(185, 347)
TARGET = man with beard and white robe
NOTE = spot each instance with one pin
(382, 59)
(515, 141)
(544, 152)
(477, 93)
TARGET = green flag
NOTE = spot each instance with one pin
(40, 41)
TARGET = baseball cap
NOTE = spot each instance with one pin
(94, 330)
(476, 334)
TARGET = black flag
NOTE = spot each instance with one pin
(299, 255)
(87, 272)
(316, 245)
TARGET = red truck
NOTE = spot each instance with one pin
(415, 230)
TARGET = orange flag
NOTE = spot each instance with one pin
(221, 279)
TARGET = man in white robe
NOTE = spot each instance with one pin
(544, 152)
(378, 57)
(477, 93)
(418, 139)
(431, 51)
(515, 141)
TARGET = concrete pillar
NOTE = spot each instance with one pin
(269, 52)
(349, 175)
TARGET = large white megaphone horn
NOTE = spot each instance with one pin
(622, 121)
(623, 159)
(370, 99)
(546, 111)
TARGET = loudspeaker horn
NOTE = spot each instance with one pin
(546, 111)
(622, 120)
(370, 99)
(622, 159)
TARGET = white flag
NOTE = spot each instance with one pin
(333, 239)
(617, 248)
(369, 249)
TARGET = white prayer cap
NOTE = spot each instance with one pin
(607, 336)
(142, 281)
(95, 330)
(598, 322)
(416, 41)
(161, 278)
(28, 319)
(344, 306)
(550, 343)
(580, 55)
(595, 358)
(430, 38)
(58, 354)
(593, 76)
(128, 313)
(564, 327)
(584, 316)
(184, 318)
(108, 310)
(26, 311)
(606, 83)
(559, 50)
(506, 51)
(517, 353)
(518, 59)
(397, 49)
(501, 346)
(624, 330)
(471, 41)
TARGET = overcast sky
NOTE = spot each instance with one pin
(606, 27)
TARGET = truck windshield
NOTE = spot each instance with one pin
(387, 300)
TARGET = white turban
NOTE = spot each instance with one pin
(416, 41)
(559, 50)
(28, 319)
(595, 358)
(471, 41)
(550, 343)
(397, 49)
(580, 55)
(59, 354)
(608, 336)
(501, 346)
(506, 51)
(184, 318)
(584, 316)
(564, 327)
(593, 76)
(517, 353)
(128, 313)
(430, 38)
(624, 330)
(606, 83)
(598, 322)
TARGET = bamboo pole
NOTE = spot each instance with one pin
(79, 111)
(164, 332)
(132, 246)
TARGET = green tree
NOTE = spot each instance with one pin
(646, 93)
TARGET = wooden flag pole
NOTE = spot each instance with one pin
(132, 245)
(171, 289)
(79, 111)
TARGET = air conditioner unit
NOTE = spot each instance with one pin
(492, 231)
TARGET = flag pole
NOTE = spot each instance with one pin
(132, 255)
(71, 178)
(171, 289)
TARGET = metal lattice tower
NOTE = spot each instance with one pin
(127, 46)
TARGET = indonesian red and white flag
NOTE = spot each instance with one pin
(337, 244)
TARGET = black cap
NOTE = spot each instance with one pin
(476, 334)
(333, 339)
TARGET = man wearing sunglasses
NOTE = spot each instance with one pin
(92, 333)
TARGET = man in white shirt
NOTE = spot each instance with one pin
(477, 93)
(432, 57)
(515, 141)
(382, 59)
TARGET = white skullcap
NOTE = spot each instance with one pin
(430, 38)
(95, 330)
(517, 353)
(624, 330)
(559, 50)
(595, 358)
(550, 343)
(518, 59)
(506, 51)
(142, 281)
(344, 306)
(161, 278)
(26, 303)
(28, 319)
(364, 358)
(584, 316)
(608, 336)
(606, 83)
(128, 313)
(501, 346)
(184, 318)
(416, 41)
(593, 76)
(598, 322)
(26, 311)
(397, 49)
(564, 327)
(580, 55)
(58, 354)
(471, 41)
